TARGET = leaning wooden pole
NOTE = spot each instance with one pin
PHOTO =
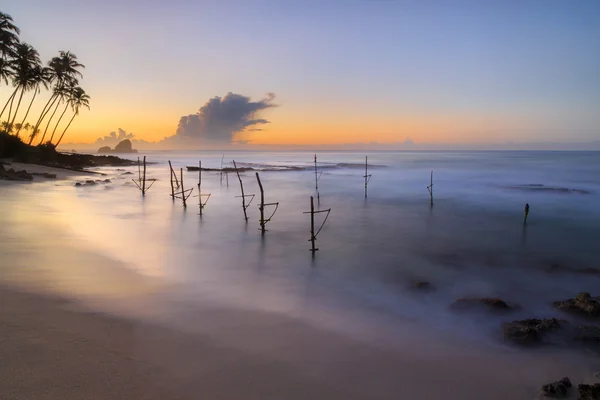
(312, 225)
(199, 175)
(144, 181)
(172, 185)
(242, 188)
(261, 207)
(182, 189)
(430, 188)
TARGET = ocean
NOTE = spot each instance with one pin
(471, 242)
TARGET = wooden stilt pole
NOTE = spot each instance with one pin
(172, 185)
(139, 174)
(261, 207)
(242, 188)
(317, 180)
(199, 175)
(526, 213)
(312, 225)
(430, 188)
(144, 181)
(182, 189)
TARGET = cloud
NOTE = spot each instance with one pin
(114, 138)
(221, 118)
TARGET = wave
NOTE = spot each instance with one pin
(543, 188)
(249, 167)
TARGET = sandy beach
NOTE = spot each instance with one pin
(50, 351)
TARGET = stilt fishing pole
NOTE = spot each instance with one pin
(317, 177)
(367, 176)
(313, 234)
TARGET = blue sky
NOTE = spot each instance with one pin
(385, 70)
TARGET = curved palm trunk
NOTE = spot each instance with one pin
(10, 114)
(17, 110)
(50, 120)
(58, 122)
(8, 101)
(27, 112)
(63, 134)
(45, 111)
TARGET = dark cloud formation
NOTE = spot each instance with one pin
(221, 118)
(114, 138)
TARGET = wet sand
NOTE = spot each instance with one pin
(53, 350)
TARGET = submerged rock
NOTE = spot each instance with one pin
(587, 333)
(422, 285)
(558, 389)
(530, 331)
(471, 303)
(44, 174)
(589, 392)
(127, 173)
(583, 303)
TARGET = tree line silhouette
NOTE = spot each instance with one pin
(21, 68)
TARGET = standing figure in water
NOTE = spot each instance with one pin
(526, 213)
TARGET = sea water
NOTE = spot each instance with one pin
(472, 241)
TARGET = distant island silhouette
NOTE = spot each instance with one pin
(124, 146)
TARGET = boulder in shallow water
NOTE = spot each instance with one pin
(583, 304)
(422, 285)
(530, 331)
(105, 149)
(473, 303)
(587, 333)
(589, 392)
(558, 389)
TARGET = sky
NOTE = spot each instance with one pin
(331, 71)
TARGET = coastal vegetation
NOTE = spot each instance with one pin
(23, 76)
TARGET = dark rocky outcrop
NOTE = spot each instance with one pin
(583, 304)
(124, 146)
(589, 392)
(558, 389)
(13, 175)
(473, 303)
(530, 331)
(127, 173)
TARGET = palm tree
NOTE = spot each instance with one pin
(9, 37)
(65, 70)
(26, 60)
(40, 76)
(78, 99)
(68, 100)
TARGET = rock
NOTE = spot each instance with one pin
(12, 175)
(105, 149)
(422, 285)
(127, 173)
(583, 303)
(44, 174)
(107, 181)
(125, 146)
(471, 303)
(77, 184)
(587, 333)
(589, 392)
(529, 331)
(91, 183)
(558, 389)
